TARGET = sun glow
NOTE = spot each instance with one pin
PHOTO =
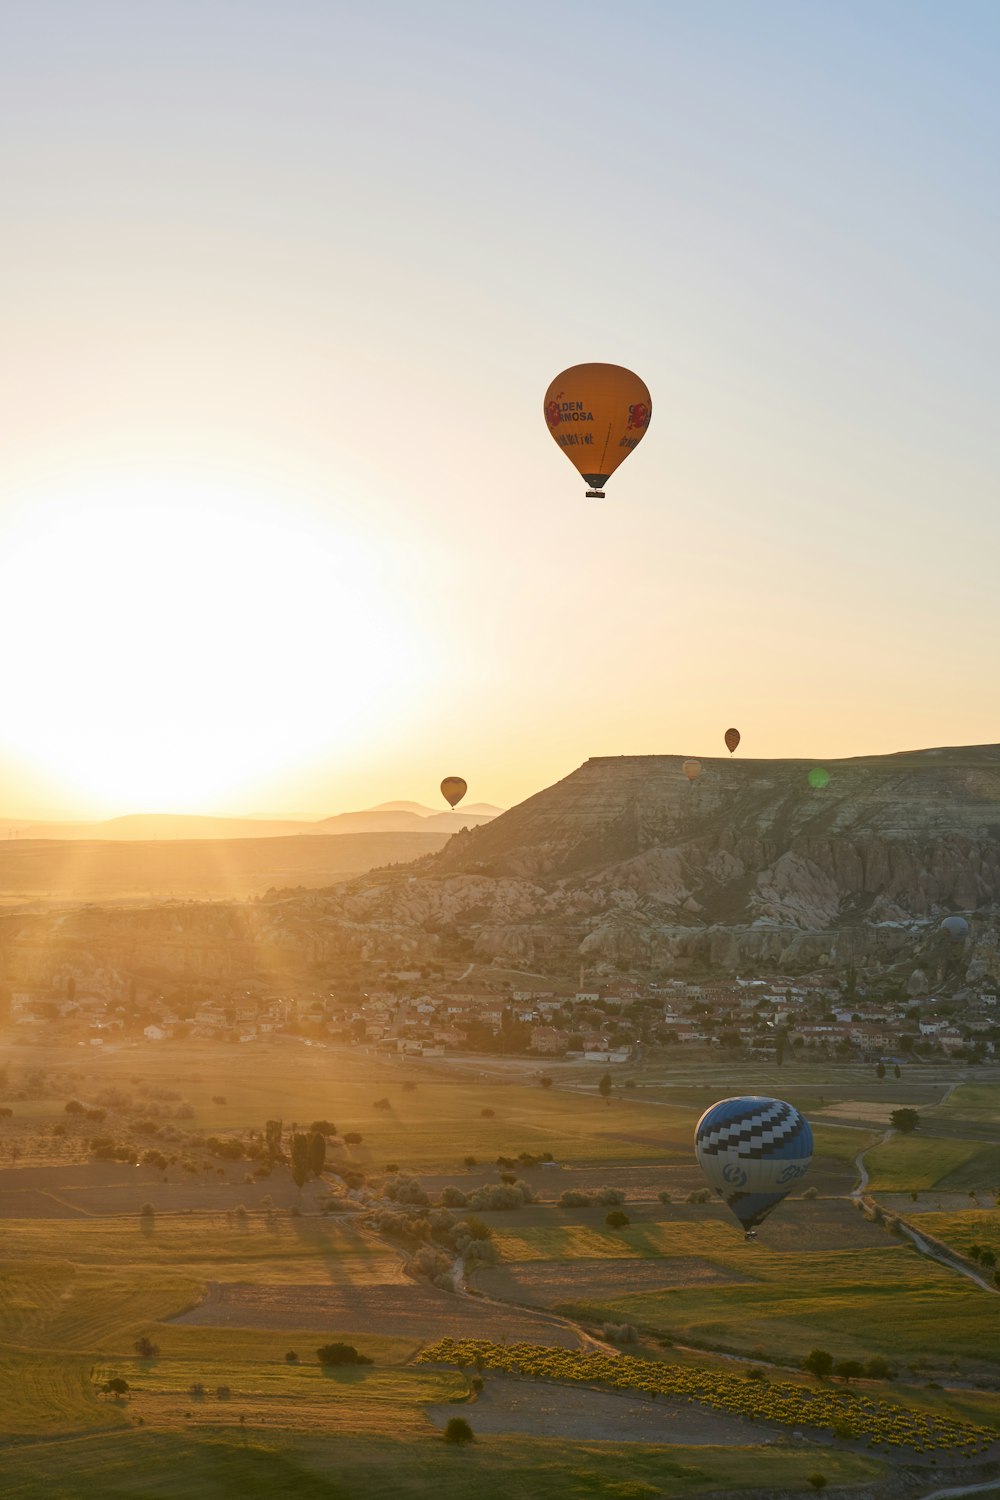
(175, 646)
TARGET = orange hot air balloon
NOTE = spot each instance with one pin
(692, 769)
(597, 414)
(732, 739)
(453, 789)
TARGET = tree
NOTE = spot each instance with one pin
(780, 1040)
(145, 1348)
(353, 1138)
(116, 1386)
(272, 1140)
(458, 1431)
(147, 1211)
(605, 1086)
(323, 1127)
(616, 1219)
(904, 1120)
(317, 1153)
(819, 1363)
(848, 1370)
(341, 1354)
(300, 1158)
(878, 1368)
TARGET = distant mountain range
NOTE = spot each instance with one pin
(388, 817)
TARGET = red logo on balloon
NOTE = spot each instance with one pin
(639, 414)
(552, 414)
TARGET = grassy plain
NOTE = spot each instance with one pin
(76, 1291)
(206, 1465)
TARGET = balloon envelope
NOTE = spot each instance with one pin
(819, 777)
(692, 769)
(753, 1150)
(957, 928)
(597, 414)
(453, 789)
(732, 739)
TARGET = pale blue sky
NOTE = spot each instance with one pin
(307, 269)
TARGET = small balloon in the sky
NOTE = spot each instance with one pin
(597, 414)
(692, 769)
(819, 777)
(732, 739)
(453, 789)
(957, 928)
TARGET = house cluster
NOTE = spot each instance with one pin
(613, 1023)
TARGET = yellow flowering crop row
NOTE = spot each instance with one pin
(846, 1413)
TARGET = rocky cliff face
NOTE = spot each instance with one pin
(625, 861)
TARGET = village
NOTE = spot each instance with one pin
(622, 1022)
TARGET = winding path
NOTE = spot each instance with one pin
(933, 1251)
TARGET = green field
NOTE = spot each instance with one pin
(920, 1162)
(209, 1465)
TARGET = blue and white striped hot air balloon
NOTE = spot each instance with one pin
(753, 1151)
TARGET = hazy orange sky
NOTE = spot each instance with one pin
(282, 526)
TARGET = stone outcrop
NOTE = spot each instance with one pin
(622, 863)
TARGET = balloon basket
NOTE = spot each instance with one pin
(595, 494)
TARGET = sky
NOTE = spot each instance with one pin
(282, 527)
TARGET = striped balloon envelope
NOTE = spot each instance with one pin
(753, 1151)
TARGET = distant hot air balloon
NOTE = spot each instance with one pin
(732, 739)
(453, 789)
(818, 778)
(692, 769)
(597, 414)
(753, 1151)
(957, 928)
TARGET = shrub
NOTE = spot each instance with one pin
(222, 1392)
(574, 1198)
(818, 1362)
(469, 1161)
(145, 1348)
(508, 1177)
(665, 1197)
(487, 1114)
(453, 1197)
(74, 1107)
(610, 1197)
(147, 1211)
(878, 1368)
(291, 1358)
(818, 1481)
(322, 1127)
(458, 1431)
(810, 1192)
(392, 1166)
(616, 1219)
(341, 1354)
(620, 1333)
(196, 1390)
(353, 1138)
(218, 1098)
(379, 1104)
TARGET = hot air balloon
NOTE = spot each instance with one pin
(732, 739)
(453, 789)
(957, 928)
(818, 778)
(597, 414)
(753, 1151)
(692, 769)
